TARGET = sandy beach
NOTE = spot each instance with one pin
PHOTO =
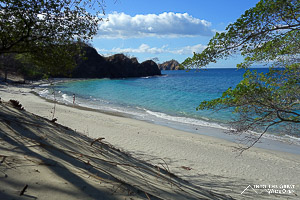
(212, 167)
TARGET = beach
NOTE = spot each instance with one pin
(206, 162)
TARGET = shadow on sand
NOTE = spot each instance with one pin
(55, 161)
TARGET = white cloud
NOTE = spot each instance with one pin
(121, 25)
(144, 48)
(187, 50)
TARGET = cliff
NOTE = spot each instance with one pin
(170, 65)
(116, 66)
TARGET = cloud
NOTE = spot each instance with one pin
(187, 50)
(144, 48)
(167, 24)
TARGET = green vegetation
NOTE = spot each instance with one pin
(181, 67)
(47, 33)
(269, 34)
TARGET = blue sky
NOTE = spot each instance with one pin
(166, 29)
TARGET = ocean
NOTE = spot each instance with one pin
(169, 100)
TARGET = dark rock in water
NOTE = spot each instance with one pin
(148, 68)
(116, 66)
(170, 65)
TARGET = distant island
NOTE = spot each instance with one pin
(170, 65)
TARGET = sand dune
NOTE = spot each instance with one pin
(58, 163)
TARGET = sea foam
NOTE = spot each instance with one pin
(186, 120)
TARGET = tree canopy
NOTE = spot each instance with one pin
(47, 30)
(269, 34)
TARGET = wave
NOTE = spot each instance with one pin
(67, 98)
(43, 92)
(196, 122)
(186, 120)
(283, 138)
(45, 85)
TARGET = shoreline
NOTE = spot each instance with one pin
(286, 143)
(267, 142)
(200, 159)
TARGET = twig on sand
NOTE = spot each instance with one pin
(97, 140)
(117, 188)
(24, 190)
(186, 168)
(3, 159)
(147, 196)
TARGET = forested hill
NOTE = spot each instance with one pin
(116, 66)
(89, 65)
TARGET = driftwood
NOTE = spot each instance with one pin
(53, 120)
(16, 104)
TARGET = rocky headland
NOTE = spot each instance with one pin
(115, 66)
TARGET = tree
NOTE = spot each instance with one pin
(47, 30)
(268, 33)
(8, 64)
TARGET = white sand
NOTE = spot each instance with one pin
(205, 161)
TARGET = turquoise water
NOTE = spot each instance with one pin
(169, 100)
(176, 94)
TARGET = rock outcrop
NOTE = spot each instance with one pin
(170, 65)
(116, 66)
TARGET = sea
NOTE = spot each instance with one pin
(169, 100)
